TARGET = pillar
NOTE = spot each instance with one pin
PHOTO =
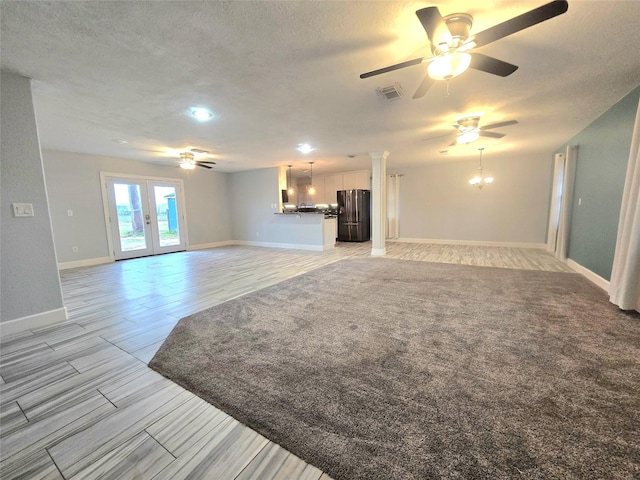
(378, 202)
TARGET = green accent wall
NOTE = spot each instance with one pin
(603, 156)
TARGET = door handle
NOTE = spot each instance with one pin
(148, 219)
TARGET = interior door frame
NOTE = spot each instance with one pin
(138, 178)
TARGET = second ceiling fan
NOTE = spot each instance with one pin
(451, 42)
(469, 130)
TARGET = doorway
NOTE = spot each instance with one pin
(144, 216)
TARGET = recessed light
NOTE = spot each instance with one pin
(200, 114)
(305, 148)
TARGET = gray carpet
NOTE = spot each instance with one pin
(392, 369)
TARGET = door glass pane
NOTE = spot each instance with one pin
(130, 218)
(166, 208)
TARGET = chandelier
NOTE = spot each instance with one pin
(479, 180)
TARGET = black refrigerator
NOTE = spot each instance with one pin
(354, 215)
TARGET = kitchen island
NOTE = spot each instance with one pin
(305, 230)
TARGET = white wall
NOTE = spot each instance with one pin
(30, 280)
(437, 202)
(73, 181)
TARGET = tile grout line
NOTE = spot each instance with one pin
(159, 443)
(46, 449)
(107, 398)
(254, 457)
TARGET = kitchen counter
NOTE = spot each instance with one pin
(326, 215)
(305, 230)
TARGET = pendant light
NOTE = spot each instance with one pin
(479, 180)
(312, 189)
(290, 189)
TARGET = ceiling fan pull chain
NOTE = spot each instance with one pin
(447, 89)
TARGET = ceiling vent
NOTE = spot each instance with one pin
(392, 92)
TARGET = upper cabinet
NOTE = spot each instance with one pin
(333, 184)
(327, 186)
(357, 180)
(320, 195)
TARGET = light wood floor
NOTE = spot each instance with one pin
(78, 400)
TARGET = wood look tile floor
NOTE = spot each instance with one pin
(77, 400)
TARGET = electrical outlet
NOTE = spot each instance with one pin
(23, 210)
(70, 213)
(74, 249)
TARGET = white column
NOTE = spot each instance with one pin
(378, 201)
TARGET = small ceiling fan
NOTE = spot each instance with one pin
(451, 41)
(188, 160)
(469, 131)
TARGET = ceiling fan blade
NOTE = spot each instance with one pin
(434, 25)
(424, 87)
(391, 68)
(499, 124)
(436, 137)
(491, 65)
(526, 20)
(203, 165)
(483, 133)
(206, 161)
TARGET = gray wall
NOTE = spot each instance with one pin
(30, 281)
(253, 194)
(437, 202)
(73, 181)
(603, 156)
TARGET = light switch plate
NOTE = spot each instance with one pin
(22, 209)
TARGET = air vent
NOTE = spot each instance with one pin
(392, 92)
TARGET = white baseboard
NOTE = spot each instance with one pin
(205, 246)
(89, 262)
(293, 246)
(376, 252)
(38, 320)
(478, 243)
(588, 274)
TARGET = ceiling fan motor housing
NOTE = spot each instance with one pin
(459, 25)
(468, 123)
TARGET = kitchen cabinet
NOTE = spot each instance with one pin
(333, 184)
(320, 195)
(328, 185)
(354, 180)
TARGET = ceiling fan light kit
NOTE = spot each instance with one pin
(450, 38)
(468, 137)
(449, 65)
(187, 161)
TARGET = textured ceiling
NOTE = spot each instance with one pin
(277, 74)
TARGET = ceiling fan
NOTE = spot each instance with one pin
(469, 131)
(451, 41)
(188, 160)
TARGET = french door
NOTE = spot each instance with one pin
(146, 217)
